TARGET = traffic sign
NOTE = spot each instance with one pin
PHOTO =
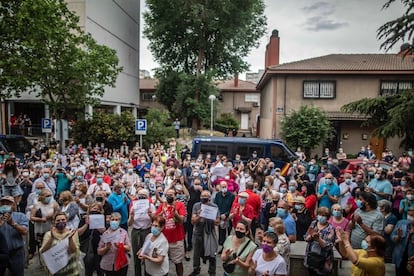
(140, 127)
(46, 125)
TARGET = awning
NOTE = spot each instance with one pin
(344, 116)
(244, 109)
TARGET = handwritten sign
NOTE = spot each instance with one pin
(141, 207)
(110, 237)
(208, 212)
(57, 257)
(96, 221)
(220, 171)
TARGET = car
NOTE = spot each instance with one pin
(17, 144)
(349, 165)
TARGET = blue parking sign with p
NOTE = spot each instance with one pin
(140, 127)
(46, 125)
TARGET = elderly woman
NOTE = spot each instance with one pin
(110, 244)
(385, 208)
(71, 208)
(57, 234)
(319, 250)
(283, 244)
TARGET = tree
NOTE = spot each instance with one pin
(209, 37)
(45, 52)
(391, 115)
(160, 127)
(307, 128)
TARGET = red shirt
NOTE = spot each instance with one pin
(173, 231)
(247, 212)
(310, 204)
(255, 202)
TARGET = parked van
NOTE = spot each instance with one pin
(274, 149)
(15, 143)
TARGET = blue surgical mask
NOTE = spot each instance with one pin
(48, 199)
(266, 183)
(122, 190)
(270, 229)
(114, 224)
(155, 231)
(5, 209)
(328, 181)
(79, 177)
(292, 189)
(298, 206)
(283, 190)
(38, 191)
(242, 201)
(46, 175)
(402, 183)
(359, 203)
(364, 244)
(336, 213)
(281, 212)
(99, 181)
(322, 219)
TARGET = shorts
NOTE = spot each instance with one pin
(12, 191)
(176, 252)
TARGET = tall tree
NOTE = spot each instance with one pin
(209, 37)
(307, 127)
(45, 52)
(391, 115)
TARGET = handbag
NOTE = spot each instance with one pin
(316, 260)
(121, 259)
(38, 213)
(229, 268)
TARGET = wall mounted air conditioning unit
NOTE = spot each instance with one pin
(256, 104)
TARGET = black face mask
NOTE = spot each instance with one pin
(240, 235)
(95, 213)
(170, 199)
(99, 199)
(204, 200)
(363, 207)
(142, 197)
(275, 202)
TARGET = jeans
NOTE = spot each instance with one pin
(16, 265)
(137, 241)
(121, 272)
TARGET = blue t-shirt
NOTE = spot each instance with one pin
(290, 225)
(14, 239)
(119, 205)
(333, 190)
(382, 186)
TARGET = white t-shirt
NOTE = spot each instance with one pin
(160, 247)
(95, 187)
(343, 187)
(276, 266)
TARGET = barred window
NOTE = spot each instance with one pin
(395, 87)
(147, 97)
(319, 89)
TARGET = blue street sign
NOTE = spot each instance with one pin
(46, 125)
(140, 127)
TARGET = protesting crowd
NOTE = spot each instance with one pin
(102, 210)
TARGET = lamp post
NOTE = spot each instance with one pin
(211, 98)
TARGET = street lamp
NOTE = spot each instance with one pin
(211, 98)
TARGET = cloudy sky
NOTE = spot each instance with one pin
(310, 28)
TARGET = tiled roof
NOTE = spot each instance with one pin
(350, 62)
(242, 85)
(147, 84)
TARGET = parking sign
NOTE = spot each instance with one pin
(46, 125)
(140, 127)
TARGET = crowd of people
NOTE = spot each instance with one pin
(111, 208)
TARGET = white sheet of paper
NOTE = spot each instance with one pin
(141, 207)
(96, 221)
(220, 171)
(110, 237)
(208, 212)
(57, 257)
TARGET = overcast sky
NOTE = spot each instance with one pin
(310, 28)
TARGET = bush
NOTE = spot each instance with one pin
(226, 122)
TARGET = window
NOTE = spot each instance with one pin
(147, 97)
(279, 154)
(395, 87)
(252, 98)
(319, 89)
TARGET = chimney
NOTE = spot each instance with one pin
(272, 50)
(236, 80)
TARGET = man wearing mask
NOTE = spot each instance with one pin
(224, 200)
(204, 235)
(100, 185)
(240, 210)
(130, 178)
(288, 221)
(174, 213)
(328, 192)
(100, 197)
(403, 239)
(380, 186)
(120, 202)
(346, 188)
(14, 226)
(256, 203)
(48, 180)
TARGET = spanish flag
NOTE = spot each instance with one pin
(285, 169)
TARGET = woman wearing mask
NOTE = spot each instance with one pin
(155, 249)
(42, 214)
(58, 233)
(369, 260)
(302, 217)
(89, 241)
(292, 192)
(319, 250)
(82, 199)
(238, 249)
(283, 244)
(399, 193)
(406, 203)
(308, 192)
(109, 245)
(337, 220)
(69, 206)
(266, 261)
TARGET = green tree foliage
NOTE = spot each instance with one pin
(307, 128)
(391, 115)
(159, 128)
(209, 38)
(45, 52)
(401, 28)
(108, 128)
(226, 121)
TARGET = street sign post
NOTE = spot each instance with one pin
(46, 125)
(140, 129)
